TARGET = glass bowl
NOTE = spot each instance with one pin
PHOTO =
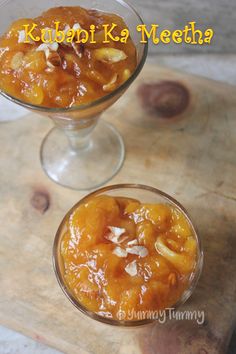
(145, 194)
(81, 151)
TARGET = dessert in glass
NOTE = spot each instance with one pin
(126, 250)
(72, 79)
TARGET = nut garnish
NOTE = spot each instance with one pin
(49, 36)
(132, 242)
(44, 47)
(110, 85)
(22, 37)
(138, 250)
(114, 234)
(52, 57)
(66, 30)
(126, 75)
(131, 268)
(179, 260)
(76, 27)
(17, 60)
(120, 252)
(109, 55)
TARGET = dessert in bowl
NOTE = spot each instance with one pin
(71, 80)
(127, 250)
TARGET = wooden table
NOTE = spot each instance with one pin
(191, 156)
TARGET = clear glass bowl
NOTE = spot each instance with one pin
(81, 152)
(145, 194)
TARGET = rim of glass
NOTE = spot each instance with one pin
(193, 279)
(95, 102)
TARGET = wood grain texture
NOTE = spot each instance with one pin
(191, 157)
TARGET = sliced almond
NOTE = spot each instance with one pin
(132, 242)
(117, 231)
(109, 55)
(76, 27)
(48, 36)
(131, 268)
(114, 234)
(138, 250)
(17, 60)
(44, 47)
(110, 86)
(66, 29)
(54, 46)
(22, 37)
(120, 252)
(50, 50)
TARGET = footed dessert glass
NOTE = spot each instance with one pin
(81, 151)
(144, 194)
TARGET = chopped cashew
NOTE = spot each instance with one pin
(110, 85)
(180, 261)
(109, 55)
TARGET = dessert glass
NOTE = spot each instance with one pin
(81, 151)
(144, 194)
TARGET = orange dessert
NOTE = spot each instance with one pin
(122, 256)
(63, 74)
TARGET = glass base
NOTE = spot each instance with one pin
(88, 167)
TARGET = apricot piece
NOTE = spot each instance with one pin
(154, 267)
(35, 61)
(96, 69)
(190, 246)
(181, 261)
(146, 234)
(17, 61)
(129, 300)
(34, 95)
(180, 224)
(158, 214)
(131, 207)
(172, 279)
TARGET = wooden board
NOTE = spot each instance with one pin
(192, 157)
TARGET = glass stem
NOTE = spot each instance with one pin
(79, 133)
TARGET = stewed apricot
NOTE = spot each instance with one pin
(122, 256)
(52, 72)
